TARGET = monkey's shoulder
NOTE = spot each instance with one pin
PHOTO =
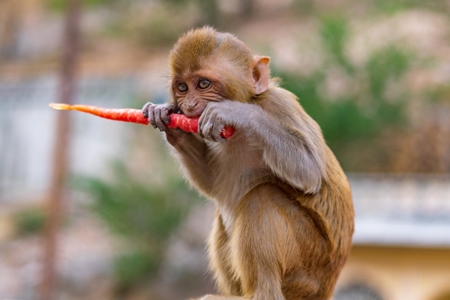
(281, 103)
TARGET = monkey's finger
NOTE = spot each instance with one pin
(165, 111)
(216, 133)
(211, 135)
(207, 129)
(145, 109)
(159, 122)
(201, 126)
(204, 117)
(151, 115)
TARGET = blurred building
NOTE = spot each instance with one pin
(402, 239)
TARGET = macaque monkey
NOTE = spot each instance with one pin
(284, 219)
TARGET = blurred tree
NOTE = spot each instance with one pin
(392, 7)
(247, 8)
(10, 18)
(61, 5)
(29, 221)
(60, 164)
(177, 2)
(334, 31)
(370, 101)
(144, 216)
(209, 12)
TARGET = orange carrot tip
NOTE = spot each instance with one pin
(60, 106)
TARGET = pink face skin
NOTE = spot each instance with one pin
(216, 80)
(194, 91)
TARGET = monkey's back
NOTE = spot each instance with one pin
(331, 211)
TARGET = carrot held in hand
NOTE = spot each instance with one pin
(135, 116)
(118, 114)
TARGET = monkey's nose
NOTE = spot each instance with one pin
(191, 106)
(192, 109)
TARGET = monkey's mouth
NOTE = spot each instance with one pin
(193, 113)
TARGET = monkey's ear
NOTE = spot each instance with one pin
(261, 74)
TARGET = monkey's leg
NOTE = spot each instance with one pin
(279, 248)
(237, 258)
(262, 242)
(219, 257)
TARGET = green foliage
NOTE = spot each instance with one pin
(134, 267)
(144, 216)
(61, 5)
(176, 2)
(388, 6)
(334, 32)
(374, 97)
(391, 7)
(29, 221)
(389, 63)
(158, 30)
(440, 94)
(210, 12)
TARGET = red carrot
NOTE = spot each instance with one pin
(135, 116)
(120, 114)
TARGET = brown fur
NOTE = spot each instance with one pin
(284, 218)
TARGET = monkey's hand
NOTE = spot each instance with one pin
(158, 114)
(158, 117)
(218, 115)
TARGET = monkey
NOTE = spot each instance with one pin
(284, 213)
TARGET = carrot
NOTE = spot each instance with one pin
(135, 116)
(120, 114)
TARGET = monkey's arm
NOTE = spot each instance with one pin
(190, 148)
(293, 147)
(193, 153)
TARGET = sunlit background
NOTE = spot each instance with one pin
(374, 74)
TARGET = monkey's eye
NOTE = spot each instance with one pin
(182, 87)
(204, 84)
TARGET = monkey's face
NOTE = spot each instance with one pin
(209, 66)
(193, 92)
(216, 79)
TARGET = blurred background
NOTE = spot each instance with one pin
(123, 224)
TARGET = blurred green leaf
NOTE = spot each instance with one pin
(144, 215)
(334, 31)
(384, 65)
(29, 221)
(358, 114)
(61, 5)
(134, 267)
